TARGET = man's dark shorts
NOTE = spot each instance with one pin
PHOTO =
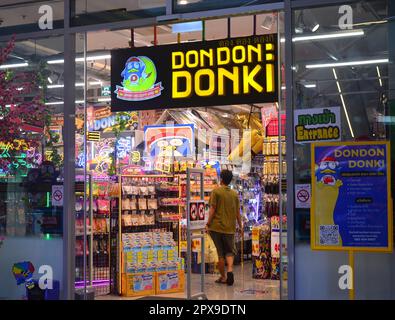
(224, 243)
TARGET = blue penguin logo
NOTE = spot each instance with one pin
(327, 171)
(134, 71)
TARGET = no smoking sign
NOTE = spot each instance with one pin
(302, 195)
(57, 196)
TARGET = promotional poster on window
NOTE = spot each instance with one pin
(351, 204)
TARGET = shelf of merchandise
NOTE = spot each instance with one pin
(168, 225)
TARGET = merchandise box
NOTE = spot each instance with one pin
(170, 281)
(138, 284)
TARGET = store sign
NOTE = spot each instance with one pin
(351, 204)
(210, 73)
(169, 141)
(103, 120)
(318, 124)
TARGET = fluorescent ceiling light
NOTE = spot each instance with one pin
(333, 35)
(91, 58)
(54, 103)
(104, 99)
(55, 86)
(61, 102)
(78, 84)
(183, 2)
(343, 102)
(345, 64)
(310, 85)
(316, 27)
(50, 80)
(14, 65)
(379, 74)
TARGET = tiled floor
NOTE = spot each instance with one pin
(244, 288)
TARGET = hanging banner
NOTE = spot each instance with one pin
(318, 124)
(209, 73)
(169, 140)
(351, 196)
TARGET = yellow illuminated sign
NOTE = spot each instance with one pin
(244, 66)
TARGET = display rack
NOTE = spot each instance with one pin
(149, 211)
(98, 235)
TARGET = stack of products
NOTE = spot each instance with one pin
(150, 252)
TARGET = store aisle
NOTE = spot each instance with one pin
(244, 288)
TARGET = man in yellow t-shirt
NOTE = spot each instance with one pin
(221, 224)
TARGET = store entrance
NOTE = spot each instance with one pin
(137, 162)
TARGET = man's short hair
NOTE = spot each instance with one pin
(226, 176)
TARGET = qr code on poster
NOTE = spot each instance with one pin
(329, 235)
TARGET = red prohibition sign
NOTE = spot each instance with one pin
(57, 195)
(303, 195)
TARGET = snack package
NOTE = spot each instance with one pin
(143, 191)
(135, 219)
(103, 206)
(142, 204)
(151, 190)
(152, 204)
(127, 220)
(135, 190)
(133, 204)
(126, 204)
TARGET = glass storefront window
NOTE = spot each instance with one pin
(341, 67)
(31, 173)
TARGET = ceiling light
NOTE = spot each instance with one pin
(332, 35)
(55, 86)
(90, 58)
(343, 102)
(183, 2)
(50, 80)
(345, 64)
(61, 102)
(54, 103)
(14, 65)
(379, 75)
(316, 27)
(104, 99)
(310, 85)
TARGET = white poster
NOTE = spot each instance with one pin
(302, 196)
(317, 124)
(57, 196)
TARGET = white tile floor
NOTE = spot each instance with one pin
(244, 288)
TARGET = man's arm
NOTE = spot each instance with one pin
(211, 214)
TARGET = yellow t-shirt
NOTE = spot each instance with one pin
(227, 207)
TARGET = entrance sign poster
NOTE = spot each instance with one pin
(351, 196)
(210, 73)
(317, 124)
